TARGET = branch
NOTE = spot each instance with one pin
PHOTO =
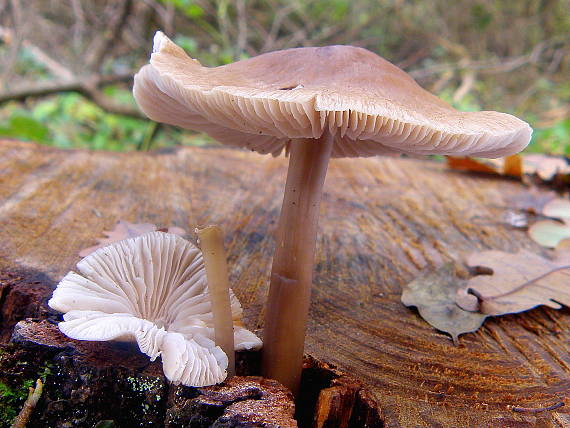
(87, 86)
(103, 45)
(40, 89)
(54, 67)
(502, 65)
(90, 90)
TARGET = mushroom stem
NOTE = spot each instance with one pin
(212, 244)
(292, 273)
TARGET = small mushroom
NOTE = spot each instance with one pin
(314, 103)
(151, 289)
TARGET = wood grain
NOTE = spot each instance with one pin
(382, 221)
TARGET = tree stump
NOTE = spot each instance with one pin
(382, 221)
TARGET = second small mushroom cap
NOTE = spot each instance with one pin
(151, 289)
(371, 106)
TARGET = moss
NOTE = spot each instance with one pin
(144, 383)
(11, 400)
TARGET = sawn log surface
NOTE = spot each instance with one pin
(382, 221)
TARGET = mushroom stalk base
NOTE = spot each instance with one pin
(212, 243)
(292, 273)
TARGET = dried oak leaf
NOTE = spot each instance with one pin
(518, 282)
(433, 293)
(123, 230)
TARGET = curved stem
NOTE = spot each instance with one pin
(292, 273)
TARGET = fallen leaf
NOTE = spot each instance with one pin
(551, 169)
(434, 294)
(557, 208)
(125, 230)
(549, 233)
(531, 200)
(511, 166)
(547, 168)
(518, 282)
(487, 166)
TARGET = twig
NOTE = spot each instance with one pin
(92, 92)
(537, 409)
(40, 89)
(79, 25)
(242, 27)
(103, 45)
(33, 397)
(51, 64)
(502, 65)
(465, 87)
(88, 87)
(13, 55)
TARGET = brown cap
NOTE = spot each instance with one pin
(371, 106)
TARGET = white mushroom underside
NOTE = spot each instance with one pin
(150, 289)
(267, 120)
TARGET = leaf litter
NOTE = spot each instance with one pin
(433, 294)
(518, 282)
(507, 283)
(549, 233)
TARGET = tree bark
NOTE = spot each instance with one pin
(382, 221)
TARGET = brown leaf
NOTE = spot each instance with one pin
(511, 166)
(434, 293)
(125, 230)
(547, 168)
(488, 166)
(519, 282)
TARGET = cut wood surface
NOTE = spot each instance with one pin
(382, 221)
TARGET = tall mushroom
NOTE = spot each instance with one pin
(316, 103)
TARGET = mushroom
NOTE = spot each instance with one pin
(151, 289)
(211, 240)
(314, 103)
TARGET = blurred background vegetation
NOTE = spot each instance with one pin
(66, 66)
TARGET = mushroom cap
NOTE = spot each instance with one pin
(151, 289)
(371, 106)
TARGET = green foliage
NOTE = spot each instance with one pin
(11, 400)
(419, 34)
(554, 139)
(481, 16)
(187, 7)
(23, 126)
(70, 121)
